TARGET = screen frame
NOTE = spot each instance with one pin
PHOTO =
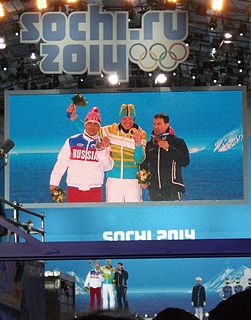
(242, 89)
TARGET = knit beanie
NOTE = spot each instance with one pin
(93, 116)
(127, 110)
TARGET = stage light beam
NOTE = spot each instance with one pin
(2, 13)
(217, 5)
(228, 37)
(41, 4)
(2, 43)
(161, 78)
(113, 79)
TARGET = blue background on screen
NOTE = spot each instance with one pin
(39, 127)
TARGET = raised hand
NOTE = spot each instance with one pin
(71, 112)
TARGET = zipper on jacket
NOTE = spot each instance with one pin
(159, 168)
(87, 148)
(121, 156)
(121, 163)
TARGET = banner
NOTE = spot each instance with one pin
(97, 41)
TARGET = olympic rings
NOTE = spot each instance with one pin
(158, 57)
(138, 44)
(156, 44)
(184, 47)
(146, 68)
(173, 66)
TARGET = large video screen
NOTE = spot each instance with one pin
(199, 155)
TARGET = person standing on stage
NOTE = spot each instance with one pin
(166, 154)
(120, 280)
(108, 285)
(199, 298)
(94, 282)
(86, 158)
(128, 142)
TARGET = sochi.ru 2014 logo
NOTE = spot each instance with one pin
(97, 41)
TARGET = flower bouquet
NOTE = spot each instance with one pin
(144, 176)
(58, 195)
(79, 100)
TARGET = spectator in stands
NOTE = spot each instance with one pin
(236, 307)
(175, 314)
(110, 315)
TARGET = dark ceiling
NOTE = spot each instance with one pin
(24, 73)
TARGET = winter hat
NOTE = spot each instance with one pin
(127, 110)
(93, 116)
(198, 279)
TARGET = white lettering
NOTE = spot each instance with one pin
(161, 234)
(149, 235)
(119, 236)
(136, 235)
(141, 235)
(181, 234)
(83, 154)
(129, 234)
(108, 235)
(190, 234)
(172, 235)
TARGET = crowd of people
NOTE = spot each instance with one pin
(237, 307)
(116, 153)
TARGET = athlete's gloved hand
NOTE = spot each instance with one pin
(71, 112)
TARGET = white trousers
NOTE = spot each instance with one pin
(123, 190)
(107, 291)
(199, 313)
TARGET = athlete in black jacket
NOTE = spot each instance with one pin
(120, 280)
(166, 154)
